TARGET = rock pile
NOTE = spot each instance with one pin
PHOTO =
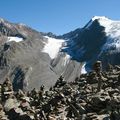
(93, 96)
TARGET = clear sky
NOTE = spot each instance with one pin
(57, 16)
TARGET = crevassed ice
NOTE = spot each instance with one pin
(16, 39)
(52, 46)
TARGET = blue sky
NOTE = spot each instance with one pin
(57, 16)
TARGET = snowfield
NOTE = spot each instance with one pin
(16, 39)
(52, 47)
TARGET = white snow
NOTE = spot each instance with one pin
(112, 29)
(83, 70)
(16, 39)
(52, 46)
(22, 24)
(104, 21)
(99, 18)
(66, 59)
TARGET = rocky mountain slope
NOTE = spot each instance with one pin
(31, 58)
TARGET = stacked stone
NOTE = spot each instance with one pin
(93, 96)
(7, 89)
(3, 116)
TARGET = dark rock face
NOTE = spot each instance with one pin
(87, 44)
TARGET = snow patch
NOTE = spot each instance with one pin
(83, 70)
(52, 47)
(66, 59)
(22, 24)
(16, 39)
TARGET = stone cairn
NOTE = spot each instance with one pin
(92, 96)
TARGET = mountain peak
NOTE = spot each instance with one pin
(2, 20)
(5, 23)
(100, 18)
(22, 24)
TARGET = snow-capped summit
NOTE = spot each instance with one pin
(100, 18)
(111, 29)
(107, 23)
(98, 40)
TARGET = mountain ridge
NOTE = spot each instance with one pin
(34, 58)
